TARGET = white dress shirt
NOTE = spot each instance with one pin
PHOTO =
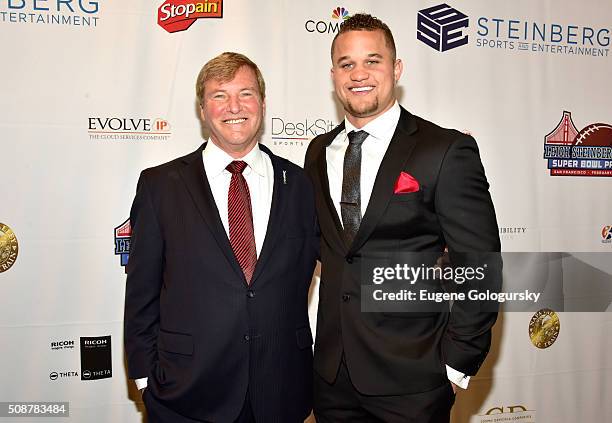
(380, 131)
(259, 175)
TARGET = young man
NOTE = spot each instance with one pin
(224, 244)
(388, 181)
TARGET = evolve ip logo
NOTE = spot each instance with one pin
(587, 152)
(440, 27)
(50, 12)
(123, 234)
(179, 15)
(96, 358)
(338, 15)
(286, 132)
(122, 129)
(606, 235)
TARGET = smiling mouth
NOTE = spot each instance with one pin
(234, 121)
(367, 88)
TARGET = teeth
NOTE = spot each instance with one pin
(360, 89)
(232, 121)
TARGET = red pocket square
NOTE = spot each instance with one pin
(405, 184)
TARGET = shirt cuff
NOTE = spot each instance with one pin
(142, 383)
(458, 378)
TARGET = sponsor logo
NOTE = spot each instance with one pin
(606, 235)
(587, 152)
(511, 232)
(9, 248)
(440, 27)
(444, 28)
(128, 129)
(62, 345)
(508, 413)
(123, 235)
(82, 13)
(287, 132)
(338, 15)
(96, 358)
(179, 15)
(544, 328)
(54, 375)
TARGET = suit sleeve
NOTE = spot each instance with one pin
(143, 286)
(469, 225)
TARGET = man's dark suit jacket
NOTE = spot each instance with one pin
(192, 325)
(403, 353)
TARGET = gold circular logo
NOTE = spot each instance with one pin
(8, 248)
(544, 328)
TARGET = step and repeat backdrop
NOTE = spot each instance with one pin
(92, 92)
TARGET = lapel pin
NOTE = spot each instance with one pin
(284, 177)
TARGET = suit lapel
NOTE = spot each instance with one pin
(328, 216)
(277, 210)
(393, 162)
(194, 177)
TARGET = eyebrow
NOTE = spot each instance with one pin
(370, 55)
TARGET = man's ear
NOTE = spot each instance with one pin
(398, 68)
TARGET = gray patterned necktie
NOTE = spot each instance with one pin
(350, 203)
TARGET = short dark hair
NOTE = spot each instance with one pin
(365, 22)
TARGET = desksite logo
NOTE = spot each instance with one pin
(179, 15)
(128, 129)
(444, 28)
(587, 152)
(83, 13)
(294, 133)
(326, 26)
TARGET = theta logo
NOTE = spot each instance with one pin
(287, 132)
(123, 234)
(51, 12)
(338, 15)
(440, 27)
(544, 328)
(179, 15)
(9, 248)
(63, 375)
(96, 359)
(606, 235)
(508, 413)
(128, 129)
(570, 152)
(62, 345)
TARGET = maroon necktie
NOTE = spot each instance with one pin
(240, 216)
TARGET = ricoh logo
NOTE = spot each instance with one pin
(286, 132)
(62, 345)
(50, 12)
(179, 15)
(121, 128)
(440, 27)
(338, 15)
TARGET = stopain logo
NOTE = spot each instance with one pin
(179, 15)
(122, 129)
(286, 132)
(123, 235)
(338, 15)
(440, 27)
(587, 152)
(51, 12)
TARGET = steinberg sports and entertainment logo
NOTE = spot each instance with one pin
(50, 12)
(179, 15)
(441, 27)
(286, 132)
(338, 15)
(134, 129)
(587, 152)
(123, 235)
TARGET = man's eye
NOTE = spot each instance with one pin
(372, 62)
(346, 65)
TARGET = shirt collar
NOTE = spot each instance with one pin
(216, 160)
(382, 126)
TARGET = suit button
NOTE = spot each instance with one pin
(247, 338)
(250, 293)
(349, 260)
(346, 297)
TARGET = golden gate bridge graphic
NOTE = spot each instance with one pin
(571, 152)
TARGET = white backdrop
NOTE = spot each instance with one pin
(92, 92)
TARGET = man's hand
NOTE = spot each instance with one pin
(454, 388)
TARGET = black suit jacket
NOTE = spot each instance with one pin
(401, 353)
(192, 325)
